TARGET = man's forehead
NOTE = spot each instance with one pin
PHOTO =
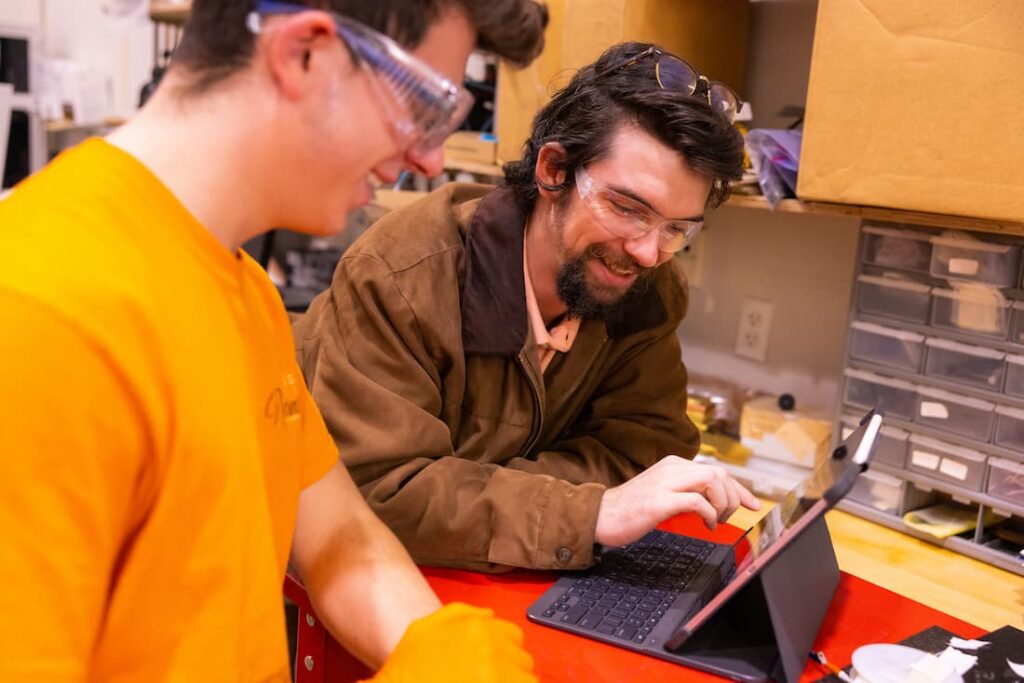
(630, 145)
(642, 167)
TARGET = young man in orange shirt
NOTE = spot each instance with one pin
(163, 460)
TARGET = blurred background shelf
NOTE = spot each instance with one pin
(877, 213)
(490, 170)
(169, 12)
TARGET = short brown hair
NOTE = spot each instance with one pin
(217, 44)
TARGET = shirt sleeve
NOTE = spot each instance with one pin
(320, 454)
(70, 480)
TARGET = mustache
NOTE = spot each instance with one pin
(616, 258)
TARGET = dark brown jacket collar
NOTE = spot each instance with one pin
(494, 318)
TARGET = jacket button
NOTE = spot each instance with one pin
(563, 555)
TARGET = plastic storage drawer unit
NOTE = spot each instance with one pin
(1005, 480)
(891, 248)
(1009, 428)
(962, 466)
(1017, 324)
(886, 346)
(991, 264)
(878, 490)
(893, 298)
(1014, 385)
(891, 448)
(868, 390)
(976, 310)
(965, 363)
(969, 417)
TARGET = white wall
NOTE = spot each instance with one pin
(21, 12)
(79, 30)
(803, 264)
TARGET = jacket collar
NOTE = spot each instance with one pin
(494, 318)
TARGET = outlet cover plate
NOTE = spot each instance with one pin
(754, 329)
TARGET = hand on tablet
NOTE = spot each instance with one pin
(671, 486)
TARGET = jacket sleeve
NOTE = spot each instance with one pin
(634, 417)
(379, 386)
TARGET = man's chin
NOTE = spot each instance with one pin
(607, 296)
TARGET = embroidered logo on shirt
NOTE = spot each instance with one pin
(283, 402)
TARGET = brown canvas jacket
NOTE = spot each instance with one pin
(421, 360)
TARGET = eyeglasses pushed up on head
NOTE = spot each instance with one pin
(422, 106)
(629, 219)
(674, 74)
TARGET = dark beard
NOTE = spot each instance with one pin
(571, 286)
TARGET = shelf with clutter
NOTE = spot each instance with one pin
(175, 13)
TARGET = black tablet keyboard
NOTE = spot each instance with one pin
(632, 587)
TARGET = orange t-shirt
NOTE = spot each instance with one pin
(156, 435)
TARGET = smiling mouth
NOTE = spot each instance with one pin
(617, 267)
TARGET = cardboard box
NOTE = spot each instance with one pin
(800, 437)
(477, 148)
(710, 34)
(917, 104)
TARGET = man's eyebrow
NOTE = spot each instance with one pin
(626, 192)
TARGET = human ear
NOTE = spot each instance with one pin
(290, 44)
(549, 171)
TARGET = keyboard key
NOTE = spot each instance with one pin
(626, 632)
(575, 614)
(612, 621)
(619, 612)
(605, 628)
(549, 612)
(640, 637)
(590, 620)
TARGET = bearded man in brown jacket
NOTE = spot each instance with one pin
(499, 367)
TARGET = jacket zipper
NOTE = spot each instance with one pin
(538, 404)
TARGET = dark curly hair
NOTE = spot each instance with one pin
(217, 44)
(584, 116)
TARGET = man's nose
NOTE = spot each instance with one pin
(428, 162)
(644, 249)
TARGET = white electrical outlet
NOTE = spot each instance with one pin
(754, 328)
